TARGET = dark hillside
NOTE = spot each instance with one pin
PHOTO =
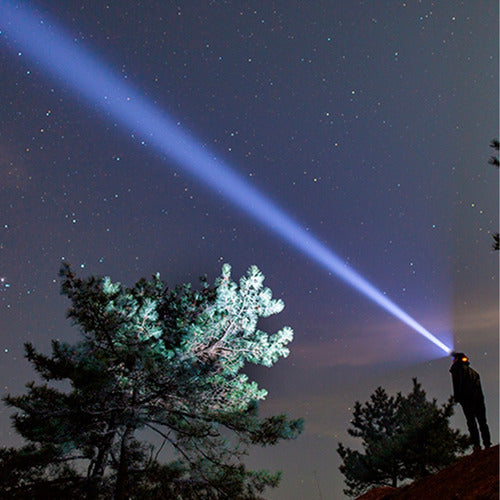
(474, 477)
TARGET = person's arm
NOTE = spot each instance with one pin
(479, 389)
(457, 378)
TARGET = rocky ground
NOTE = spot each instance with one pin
(474, 477)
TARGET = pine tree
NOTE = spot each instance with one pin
(495, 144)
(403, 437)
(169, 361)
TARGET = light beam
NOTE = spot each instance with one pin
(48, 46)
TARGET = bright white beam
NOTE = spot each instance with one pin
(71, 64)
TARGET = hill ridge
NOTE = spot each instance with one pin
(472, 477)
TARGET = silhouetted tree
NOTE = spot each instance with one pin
(150, 358)
(403, 437)
(495, 162)
(494, 159)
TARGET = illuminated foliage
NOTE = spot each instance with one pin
(149, 358)
(403, 437)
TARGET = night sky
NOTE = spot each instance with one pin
(368, 122)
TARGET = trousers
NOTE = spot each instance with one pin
(475, 414)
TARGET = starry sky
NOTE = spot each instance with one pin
(368, 122)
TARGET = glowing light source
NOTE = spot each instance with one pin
(49, 47)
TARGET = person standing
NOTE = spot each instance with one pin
(468, 392)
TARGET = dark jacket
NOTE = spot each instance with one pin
(466, 384)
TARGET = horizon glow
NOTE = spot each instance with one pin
(69, 63)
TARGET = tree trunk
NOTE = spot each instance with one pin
(96, 469)
(121, 485)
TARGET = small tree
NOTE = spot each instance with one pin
(150, 358)
(403, 437)
(495, 144)
(496, 163)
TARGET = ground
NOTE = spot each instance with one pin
(473, 477)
